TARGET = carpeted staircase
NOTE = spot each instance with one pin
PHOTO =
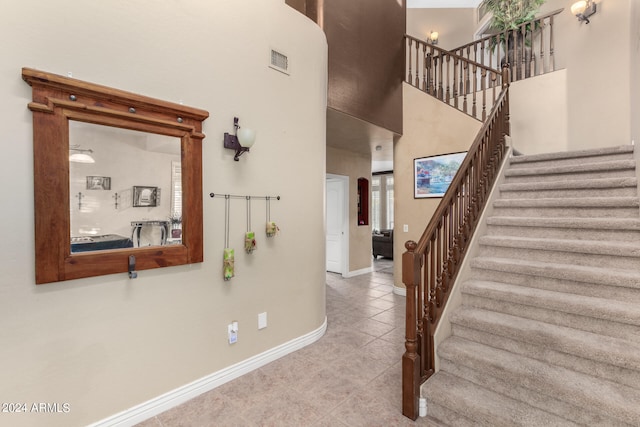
(548, 333)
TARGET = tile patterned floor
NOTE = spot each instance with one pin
(350, 377)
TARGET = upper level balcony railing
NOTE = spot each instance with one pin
(528, 49)
(457, 81)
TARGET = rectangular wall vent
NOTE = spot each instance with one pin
(279, 61)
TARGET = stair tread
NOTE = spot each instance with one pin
(610, 165)
(577, 273)
(579, 389)
(621, 149)
(485, 406)
(631, 224)
(582, 305)
(571, 184)
(611, 350)
(592, 247)
(571, 202)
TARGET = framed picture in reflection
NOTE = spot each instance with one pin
(98, 183)
(145, 196)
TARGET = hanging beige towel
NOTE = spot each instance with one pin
(272, 229)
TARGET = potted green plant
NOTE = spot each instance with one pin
(510, 14)
(508, 17)
(175, 221)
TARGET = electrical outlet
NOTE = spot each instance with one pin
(405, 228)
(262, 320)
(232, 330)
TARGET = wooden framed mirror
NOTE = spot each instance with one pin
(75, 240)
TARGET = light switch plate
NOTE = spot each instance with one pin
(262, 320)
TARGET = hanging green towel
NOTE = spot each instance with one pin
(272, 229)
(250, 242)
(228, 264)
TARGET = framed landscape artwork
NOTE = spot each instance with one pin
(432, 175)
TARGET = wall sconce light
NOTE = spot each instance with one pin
(433, 37)
(80, 156)
(583, 10)
(241, 140)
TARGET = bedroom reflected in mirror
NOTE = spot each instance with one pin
(109, 208)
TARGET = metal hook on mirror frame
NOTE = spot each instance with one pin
(133, 274)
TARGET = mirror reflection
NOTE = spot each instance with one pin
(125, 188)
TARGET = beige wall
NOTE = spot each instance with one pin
(105, 344)
(354, 165)
(430, 127)
(538, 114)
(634, 52)
(599, 71)
(455, 27)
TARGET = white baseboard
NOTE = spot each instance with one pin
(400, 291)
(358, 272)
(180, 395)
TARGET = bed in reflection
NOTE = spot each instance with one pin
(99, 243)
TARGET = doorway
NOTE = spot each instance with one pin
(337, 213)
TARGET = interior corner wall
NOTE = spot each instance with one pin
(597, 59)
(354, 165)
(430, 128)
(106, 344)
(455, 26)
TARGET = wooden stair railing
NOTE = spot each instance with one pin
(430, 266)
(529, 49)
(456, 81)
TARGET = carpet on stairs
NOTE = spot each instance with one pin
(548, 332)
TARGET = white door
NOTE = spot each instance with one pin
(335, 225)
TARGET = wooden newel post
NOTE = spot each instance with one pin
(411, 267)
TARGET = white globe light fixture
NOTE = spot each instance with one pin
(241, 141)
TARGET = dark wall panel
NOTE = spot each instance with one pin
(366, 61)
(299, 5)
(307, 7)
(366, 57)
